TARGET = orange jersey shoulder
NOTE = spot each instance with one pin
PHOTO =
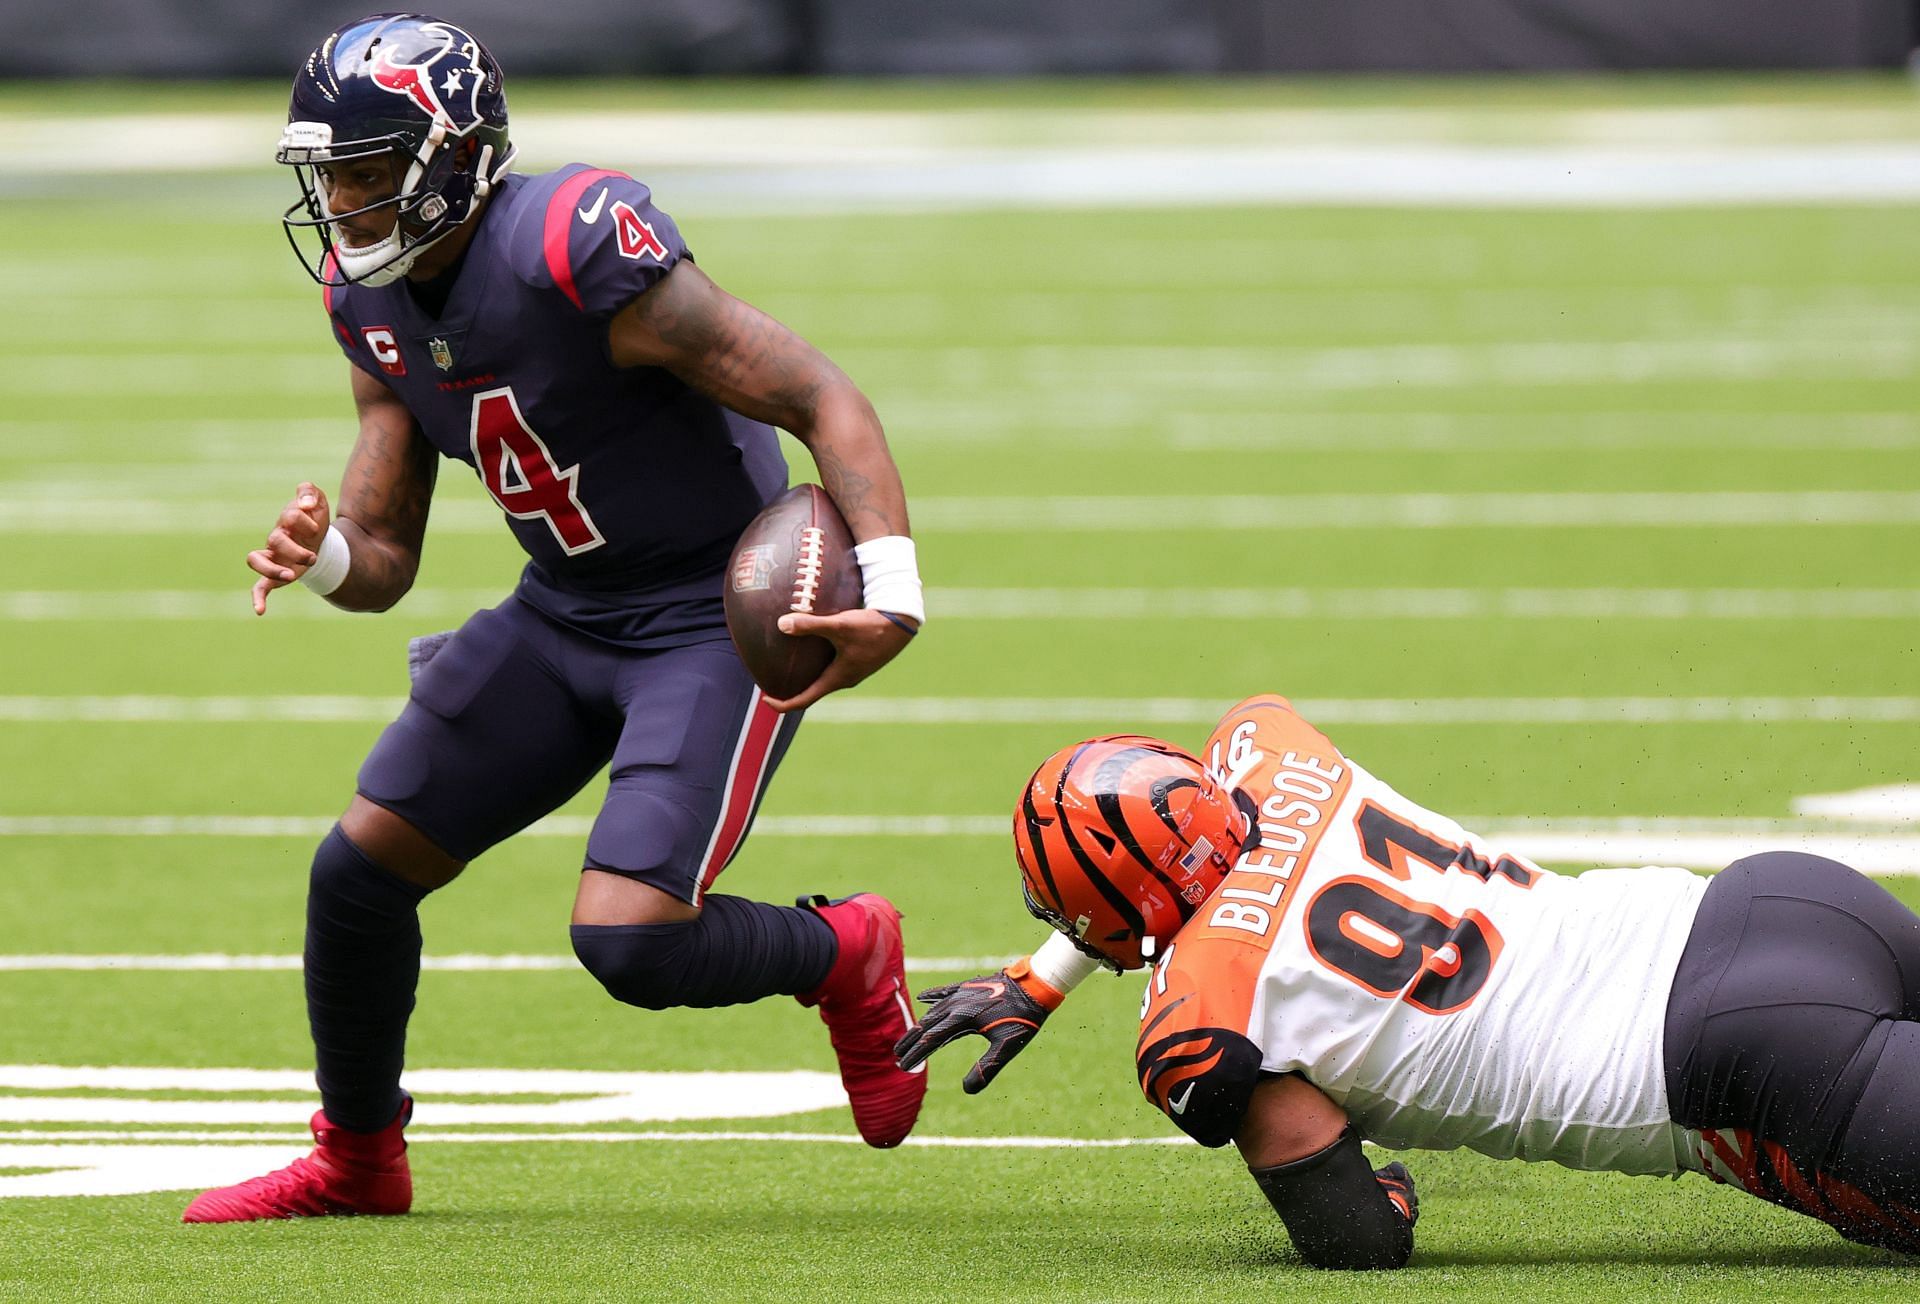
(1196, 1060)
(1196, 1063)
(1296, 780)
(1246, 747)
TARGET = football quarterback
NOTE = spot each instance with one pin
(1332, 962)
(552, 333)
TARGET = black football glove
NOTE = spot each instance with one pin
(1397, 1182)
(1007, 1008)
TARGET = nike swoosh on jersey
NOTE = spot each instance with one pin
(591, 213)
(1179, 1104)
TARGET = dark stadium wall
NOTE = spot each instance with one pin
(234, 38)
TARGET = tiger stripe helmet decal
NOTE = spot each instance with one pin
(1119, 839)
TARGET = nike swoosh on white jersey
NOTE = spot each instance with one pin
(591, 214)
(1179, 1104)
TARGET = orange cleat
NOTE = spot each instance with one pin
(865, 1005)
(347, 1173)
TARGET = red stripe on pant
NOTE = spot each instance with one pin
(745, 780)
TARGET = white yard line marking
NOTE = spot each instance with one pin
(190, 455)
(1130, 604)
(214, 963)
(1692, 843)
(1899, 802)
(504, 1138)
(1870, 853)
(1420, 604)
(1193, 514)
(1091, 373)
(856, 710)
(553, 826)
(135, 1163)
(1415, 511)
(1542, 430)
(102, 1139)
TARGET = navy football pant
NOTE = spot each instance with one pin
(508, 720)
(1793, 1042)
(516, 713)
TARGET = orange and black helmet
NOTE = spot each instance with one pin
(1119, 840)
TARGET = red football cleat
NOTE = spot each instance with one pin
(865, 1006)
(347, 1173)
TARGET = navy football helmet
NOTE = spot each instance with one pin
(409, 89)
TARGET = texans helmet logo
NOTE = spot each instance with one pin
(448, 69)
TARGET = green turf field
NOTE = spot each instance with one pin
(1576, 523)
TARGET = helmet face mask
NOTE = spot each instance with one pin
(421, 93)
(1120, 839)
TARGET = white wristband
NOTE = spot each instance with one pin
(330, 564)
(890, 576)
(1060, 964)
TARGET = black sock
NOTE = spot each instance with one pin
(736, 951)
(362, 963)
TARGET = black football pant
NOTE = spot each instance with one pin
(1793, 1043)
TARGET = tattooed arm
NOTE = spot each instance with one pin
(744, 359)
(382, 511)
(741, 357)
(384, 498)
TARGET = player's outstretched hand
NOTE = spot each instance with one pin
(292, 546)
(1397, 1182)
(863, 641)
(993, 1005)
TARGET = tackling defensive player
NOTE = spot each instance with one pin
(554, 333)
(1332, 962)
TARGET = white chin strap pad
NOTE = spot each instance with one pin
(380, 263)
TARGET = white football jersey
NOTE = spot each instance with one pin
(1442, 991)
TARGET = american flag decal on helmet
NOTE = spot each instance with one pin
(1197, 855)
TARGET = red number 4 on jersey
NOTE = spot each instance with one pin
(518, 471)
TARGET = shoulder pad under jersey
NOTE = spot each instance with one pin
(1202, 1079)
(594, 235)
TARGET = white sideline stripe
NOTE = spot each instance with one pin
(856, 710)
(1131, 604)
(499, 1138)
(1703, 844)
(553, 826)
(1125, 514)
(902, 159)
(812, 137)
(216, 963)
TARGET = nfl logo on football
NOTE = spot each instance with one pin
(752, 570)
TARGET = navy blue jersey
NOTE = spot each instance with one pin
(625, 486)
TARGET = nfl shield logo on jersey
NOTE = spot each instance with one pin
(442, 353)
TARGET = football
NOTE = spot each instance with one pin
(796, 555)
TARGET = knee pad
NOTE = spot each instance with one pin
(736, 951)
(648, 836)
(640, 964)
(345, 887)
